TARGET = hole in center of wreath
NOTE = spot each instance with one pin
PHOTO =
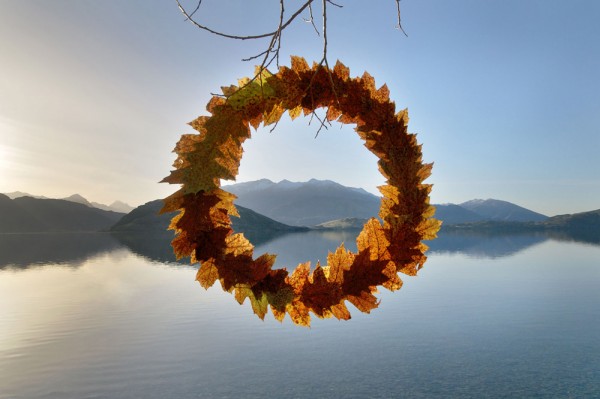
(299, 195)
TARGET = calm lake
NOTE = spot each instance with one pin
(97, 316)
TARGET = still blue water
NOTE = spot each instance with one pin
(96, 317)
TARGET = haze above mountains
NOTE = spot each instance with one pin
(265, 206)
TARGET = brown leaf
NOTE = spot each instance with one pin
(364, 301)
(319, 295)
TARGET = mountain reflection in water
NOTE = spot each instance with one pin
(19, 251)
(67, 249)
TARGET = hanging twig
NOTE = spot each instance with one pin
(311, 19)
(399, 25)
(196, 9)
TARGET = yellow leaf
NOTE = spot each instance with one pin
(207, 274)
(295, 112)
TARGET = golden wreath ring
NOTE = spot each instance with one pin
(203, 227)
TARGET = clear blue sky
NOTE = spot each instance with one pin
(504, 95)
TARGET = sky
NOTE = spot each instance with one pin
(504, 95)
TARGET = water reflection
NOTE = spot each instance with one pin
(157, 246)
(20, 251)
(313, 246)
(498, 244)
(118, 326)
(484, 245)
(153, 247)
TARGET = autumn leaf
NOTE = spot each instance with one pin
(207, 274)
(319, 294)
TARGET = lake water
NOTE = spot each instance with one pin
(92, 316)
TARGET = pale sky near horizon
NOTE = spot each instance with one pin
(504, 95)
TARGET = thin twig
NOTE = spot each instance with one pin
(334, 4)
(322, 123)
(312, 20)
(325, 51)
(196, 9)
(399, 25)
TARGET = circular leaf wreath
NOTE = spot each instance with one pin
(203, 227)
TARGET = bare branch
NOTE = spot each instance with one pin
(272, 52)
(273, 49)
(244, 37)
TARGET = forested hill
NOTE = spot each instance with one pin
(145, 219)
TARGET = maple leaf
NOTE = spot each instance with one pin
(364, 301)
(260, 304)
(372, 240)
(295, 112)
(341, 71)
(273, 115)
(298, 312)
(319, 294)
(299, 64)
(207, 274)
(337, 263)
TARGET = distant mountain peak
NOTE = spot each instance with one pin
(499, 210)
(19, 194)
(120, 206)
(79, 199)
(118, 203)
(475, 201)
(478, 201)
(305, 203)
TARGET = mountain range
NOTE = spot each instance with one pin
(116, 206)
(28, 214)
(317, 202)
(479, 210)
(268, 208)
(305, 203)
